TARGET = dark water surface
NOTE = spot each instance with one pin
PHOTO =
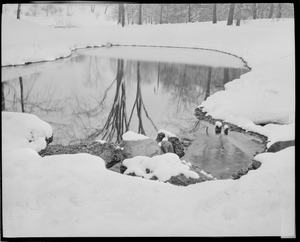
(118, 88)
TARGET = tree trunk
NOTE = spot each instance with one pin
(279, 11)
(19, 11)
(119, 13)
(105, 9)
(271, 10)
(214, 13)
(3, 97)
(22, 94)
(254, 10)
(231, 14)
(161, 14)
(122, 15)
(189, 13)
(140, 14)
(239, 14)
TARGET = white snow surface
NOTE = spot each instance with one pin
(162, 166)
(75, 195)
(28, 126)
(130, 135)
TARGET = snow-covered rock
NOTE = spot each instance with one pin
(162, 166)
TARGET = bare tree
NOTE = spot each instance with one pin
(93, 6)
(161, 14)
(106, 9)
(279, 11)
(254, 10)
(119, 13)
(19, 11)
(271, 10)
(189, 13)
(231, 14)
(239, 14)
(122, 14)
(214, 13)
(140, 14)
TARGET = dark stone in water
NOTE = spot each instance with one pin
(49, 140)
(167, 147)
(122, 168)
(218, 130)
(280, 145)
(256, 164)
(177, 146)
(160, 137)
(226, 131)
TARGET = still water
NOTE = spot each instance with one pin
(115, 89)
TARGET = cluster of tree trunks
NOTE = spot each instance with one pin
(186, 10)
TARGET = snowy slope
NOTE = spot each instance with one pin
(75, 195)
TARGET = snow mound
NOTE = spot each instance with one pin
(130, 135)
(162, 166)
(25, 130)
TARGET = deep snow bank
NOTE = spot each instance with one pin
(75, 195)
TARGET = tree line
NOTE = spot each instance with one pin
(127, 14)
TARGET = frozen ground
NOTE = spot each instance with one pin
(75, 195)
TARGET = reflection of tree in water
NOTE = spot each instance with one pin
(93, 74)
(180, 80)
(139, 104)
(117, 122)
(25, 101)
(190, 84)
(2, 95)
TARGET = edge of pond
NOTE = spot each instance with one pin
(201, 115)
(133, 45)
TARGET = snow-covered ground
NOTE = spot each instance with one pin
(75, 195)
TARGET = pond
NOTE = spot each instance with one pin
(100, 93)
(142, 89)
